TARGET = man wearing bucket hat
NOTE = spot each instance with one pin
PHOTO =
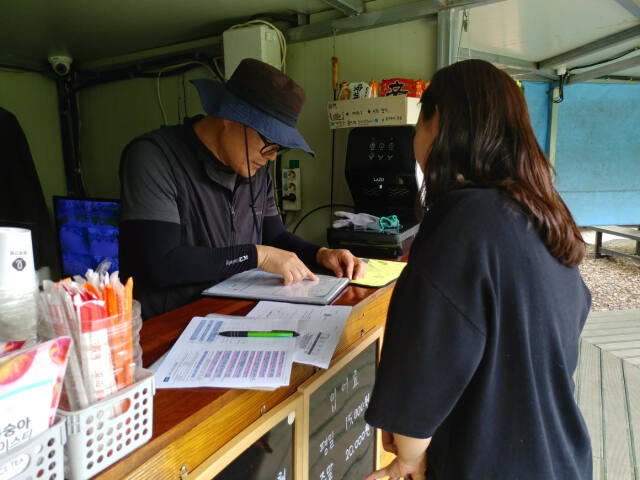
(197, 202)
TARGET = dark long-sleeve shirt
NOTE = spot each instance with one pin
(189, 221)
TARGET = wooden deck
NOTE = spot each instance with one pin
(608, 392)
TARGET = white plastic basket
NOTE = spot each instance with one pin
(103, 433)
(40, 458)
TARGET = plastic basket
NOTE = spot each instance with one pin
(40, 458)
(103, 433)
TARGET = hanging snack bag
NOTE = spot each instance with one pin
(401, 86)
(354, 90)
(375, 88)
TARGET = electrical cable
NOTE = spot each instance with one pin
(283, 54)
(184, 97)
(600, 62)
(320, 208)
(335, 75)
(275, 167)
(220, 75)
(561, 81)
(179, 103)
(174, 67)
(333, 161)
(463, 27)
(164, 114)
(253, 199)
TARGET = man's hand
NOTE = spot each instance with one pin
(282, 262)
(341, 262)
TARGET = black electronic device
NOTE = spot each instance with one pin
(380, 169)
(384, 180)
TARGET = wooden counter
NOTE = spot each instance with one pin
(190, 425)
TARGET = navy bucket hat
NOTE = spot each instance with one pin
(258, 96)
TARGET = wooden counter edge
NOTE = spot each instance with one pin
(238, 444)
(174, 448)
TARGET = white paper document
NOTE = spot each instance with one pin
(259, 285)
(203, 358)
(320, 328)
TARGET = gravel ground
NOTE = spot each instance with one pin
(614, 282)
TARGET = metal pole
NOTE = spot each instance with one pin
(449, 27)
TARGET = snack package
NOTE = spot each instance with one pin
(354, 90)
(375, 88)
(30, 385)
(6, 347)
(402, 86)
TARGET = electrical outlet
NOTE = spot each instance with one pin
(291, 189)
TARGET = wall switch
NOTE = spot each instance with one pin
(291, 189)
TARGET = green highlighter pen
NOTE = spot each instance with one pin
(260, 334)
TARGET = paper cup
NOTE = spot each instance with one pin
(17, 272)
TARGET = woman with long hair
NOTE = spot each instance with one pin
(475, 378)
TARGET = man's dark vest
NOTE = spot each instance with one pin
(214, 210)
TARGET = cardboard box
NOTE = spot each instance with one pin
(371, 112)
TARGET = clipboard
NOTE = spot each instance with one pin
(256, 284)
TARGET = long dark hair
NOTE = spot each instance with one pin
(485, 139)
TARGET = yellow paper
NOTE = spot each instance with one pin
(379, 273)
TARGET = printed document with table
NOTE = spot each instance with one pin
(255, 351)
(319, 327)
(201, 357)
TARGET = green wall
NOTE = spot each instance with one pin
(33, 99)
(403, 50)
(112, 114)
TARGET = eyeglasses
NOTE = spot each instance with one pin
(270, 148)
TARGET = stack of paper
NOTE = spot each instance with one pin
(256, 284)
(320, 328)
(202, 357)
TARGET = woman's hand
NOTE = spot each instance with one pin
(283, 262)
(411, 460)
(396, 470)
(341, 262)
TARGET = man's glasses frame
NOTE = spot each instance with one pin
(271, 147)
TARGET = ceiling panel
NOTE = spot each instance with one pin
(629, 72)
(89, 30)
(528, 30)
(623, 50)
(537, 29)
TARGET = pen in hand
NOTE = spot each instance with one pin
(260, 334)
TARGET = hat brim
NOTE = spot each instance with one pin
(218, 101)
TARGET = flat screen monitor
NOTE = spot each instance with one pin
(87, 231)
